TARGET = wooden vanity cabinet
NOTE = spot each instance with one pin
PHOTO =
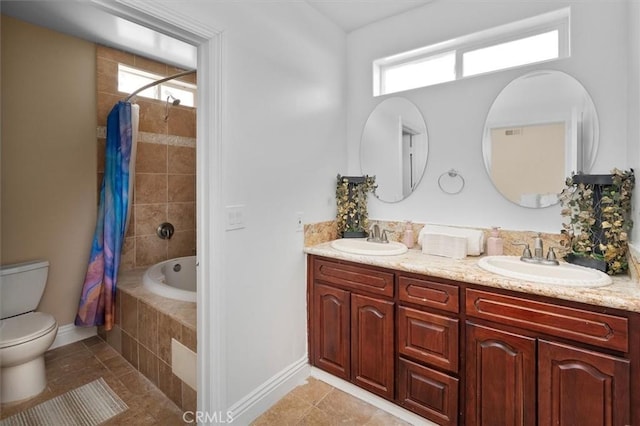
(463, 354)
(352, 324)
(526, 378)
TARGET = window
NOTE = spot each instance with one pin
(131, 79)
(533, 40)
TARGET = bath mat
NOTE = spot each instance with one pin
(87, 405)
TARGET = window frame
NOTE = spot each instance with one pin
(559, 20)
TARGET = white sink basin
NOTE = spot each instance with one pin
(565, 274)
(362, 246)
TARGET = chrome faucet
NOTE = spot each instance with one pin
(375, 236)
(538, 252)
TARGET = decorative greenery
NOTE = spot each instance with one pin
(351, 199)
(599, 218)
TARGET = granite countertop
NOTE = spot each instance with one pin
(623, 293)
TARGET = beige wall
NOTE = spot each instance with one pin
(48, 154)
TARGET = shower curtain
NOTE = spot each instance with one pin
(97, 305)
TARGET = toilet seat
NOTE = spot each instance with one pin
(24, 328)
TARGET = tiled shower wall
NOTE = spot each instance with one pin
(165, 166)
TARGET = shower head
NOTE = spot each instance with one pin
(170, 102)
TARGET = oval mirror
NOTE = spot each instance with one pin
(541, 128)
(394, 148)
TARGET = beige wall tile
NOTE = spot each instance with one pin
(182, 122)
(150, 249)
(148, 364)
(128, 255)
(169, 384)
(130, 349)
(151, 188)
(114, 338)
(101, 154)
(129, 315)
(151, 158)
(182, 188)
(183, 243)
(189, 338)
(107, 75)
(168, 329)
(148, 326)
(118, 311)
(182, 160)
(131, 227)
(182, 216)
(152, 114)
(189, 398)
(148, 217)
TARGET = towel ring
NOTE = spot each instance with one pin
(455, 185)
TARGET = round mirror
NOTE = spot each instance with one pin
(394, 148)
(541, 128)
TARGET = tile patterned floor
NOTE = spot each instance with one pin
(76, 364)
(317, 403)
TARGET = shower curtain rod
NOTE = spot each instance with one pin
(162, 80)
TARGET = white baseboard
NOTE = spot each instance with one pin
(69, 333)
(262, 398)
(372, 399)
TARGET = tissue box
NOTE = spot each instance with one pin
(444, 245)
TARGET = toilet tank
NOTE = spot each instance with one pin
(22, 286)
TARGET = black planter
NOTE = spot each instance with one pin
(354, 234)
(589, 262)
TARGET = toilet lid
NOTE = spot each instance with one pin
(26, 327)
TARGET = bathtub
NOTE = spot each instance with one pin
(173, 278)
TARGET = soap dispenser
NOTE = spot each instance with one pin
(494, 243)
(407, 238)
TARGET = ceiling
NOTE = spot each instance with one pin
(353, 14)
(84, 20)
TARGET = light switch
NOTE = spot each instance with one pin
(235, 217)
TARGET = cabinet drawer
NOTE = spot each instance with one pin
(354, 277)
(428, 293)
(428, 338)
(427, 392)
(593, 328)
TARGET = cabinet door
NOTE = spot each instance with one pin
(501, 377)
(331, 330)
(372, 344)
(581, 387)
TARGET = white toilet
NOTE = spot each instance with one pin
(25, 335)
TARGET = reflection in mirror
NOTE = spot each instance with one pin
(541, 128)
(394, 148)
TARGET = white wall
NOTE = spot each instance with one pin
(455, 112)
(283, 144)
(634, 111)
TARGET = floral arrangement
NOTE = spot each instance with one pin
(598, 217)
(351, 198)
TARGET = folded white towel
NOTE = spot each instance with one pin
(475, 237)
(444, 245)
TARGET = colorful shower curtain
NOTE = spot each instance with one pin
(97, 305)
